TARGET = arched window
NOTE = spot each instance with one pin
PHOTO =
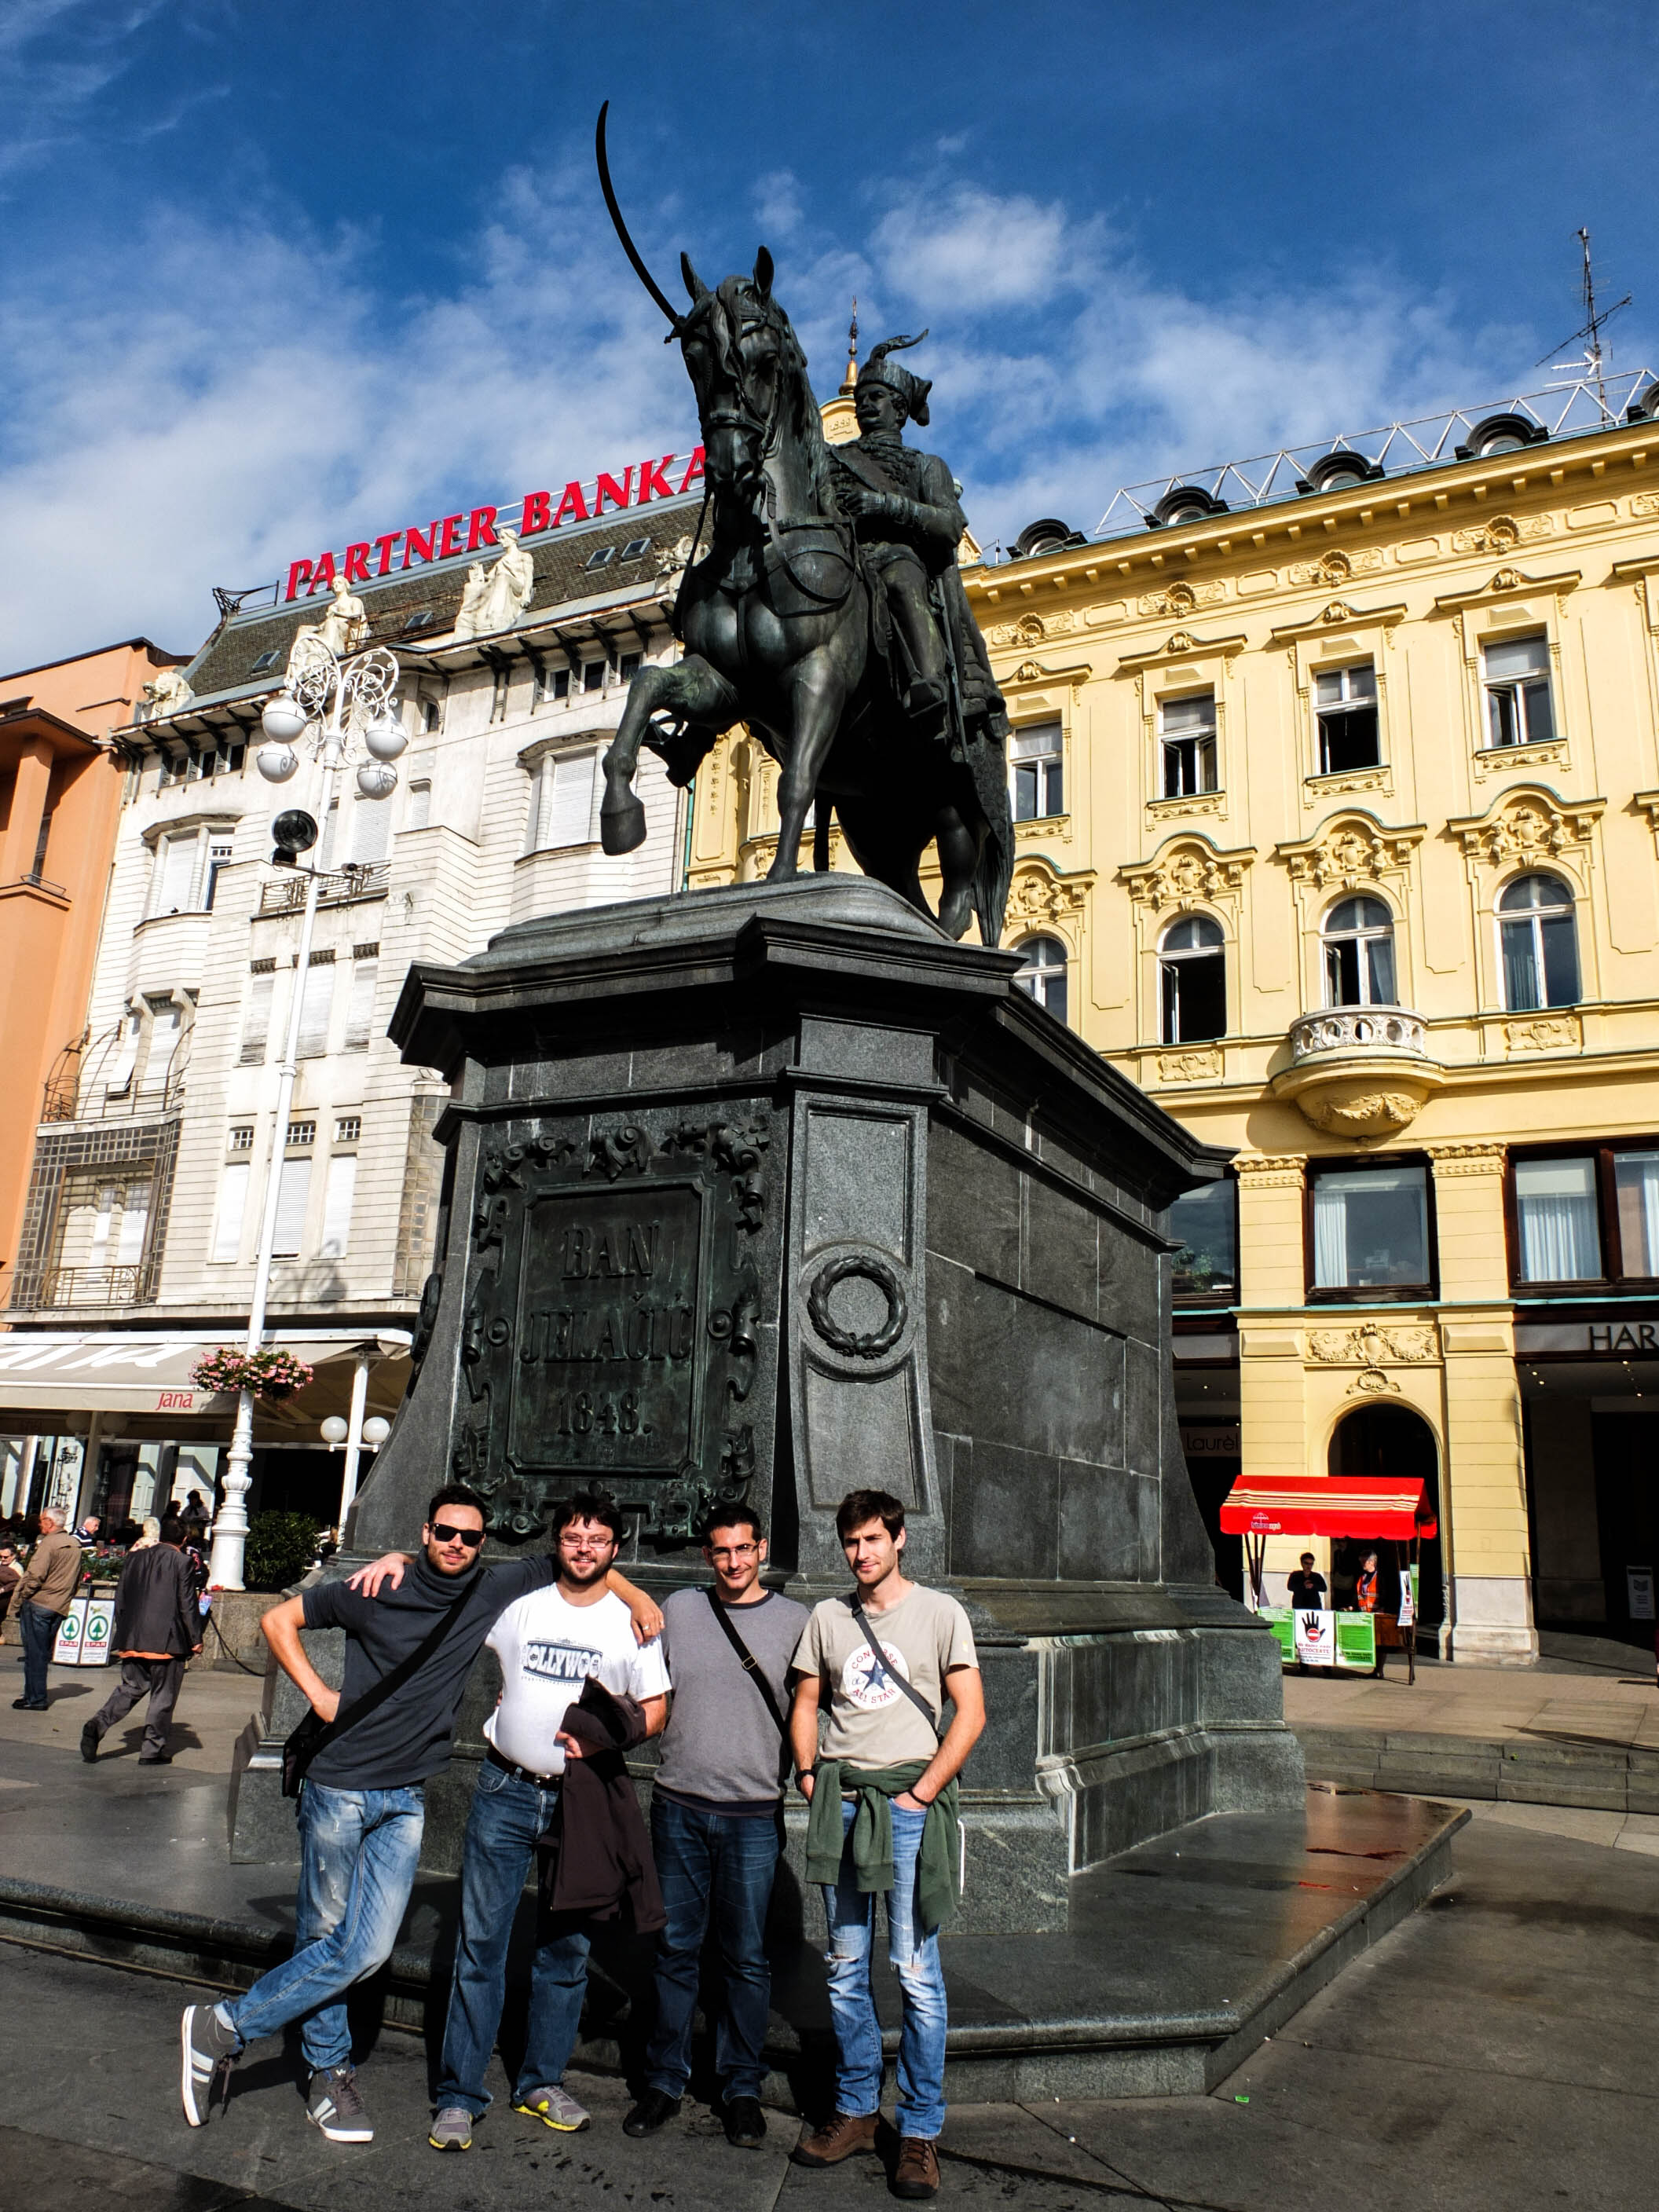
(1193, 968)
(1360, 954)
(1539, 944)
(1043, 975)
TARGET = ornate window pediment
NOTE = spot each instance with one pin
(1353, 847)
(1527, 821)
(1041, 897)
(1187, 872)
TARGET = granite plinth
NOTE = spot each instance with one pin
(774, 1192)
(1181, 1956)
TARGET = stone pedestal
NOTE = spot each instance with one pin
(771, 1192)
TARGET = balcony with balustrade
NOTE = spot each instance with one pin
(1359, 1071)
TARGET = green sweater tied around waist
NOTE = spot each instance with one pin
(938, 1869)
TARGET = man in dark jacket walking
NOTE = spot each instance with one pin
(157, 1628)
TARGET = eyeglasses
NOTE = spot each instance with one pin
(446, 1533)
(736, 1552)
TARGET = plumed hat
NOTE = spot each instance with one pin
(912, 389)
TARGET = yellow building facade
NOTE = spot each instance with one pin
(1339, 831)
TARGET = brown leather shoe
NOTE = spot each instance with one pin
(846, 2137)
(916, 2174)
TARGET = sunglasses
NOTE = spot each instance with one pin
(446, 1533)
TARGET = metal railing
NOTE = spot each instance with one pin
(1358, 1029)
(1565, 409)
(122, 1285)
(341, 887)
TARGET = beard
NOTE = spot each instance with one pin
(583, 1574)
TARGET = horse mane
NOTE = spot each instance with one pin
(808, 422)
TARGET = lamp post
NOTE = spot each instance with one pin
(343, 705)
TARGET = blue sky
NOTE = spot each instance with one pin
(277, 278)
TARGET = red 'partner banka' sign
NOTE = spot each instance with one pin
(442, 539)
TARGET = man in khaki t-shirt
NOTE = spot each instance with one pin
(883, 1792)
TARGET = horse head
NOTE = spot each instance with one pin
(744, 361)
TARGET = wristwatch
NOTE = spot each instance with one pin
(806, 1773)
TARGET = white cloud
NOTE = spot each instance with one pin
(777, 205)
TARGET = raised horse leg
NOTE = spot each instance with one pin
(692, 691)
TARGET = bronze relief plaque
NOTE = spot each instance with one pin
(611, 1339)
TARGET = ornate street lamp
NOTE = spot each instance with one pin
(345, 706)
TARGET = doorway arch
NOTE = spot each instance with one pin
(1396, 1442)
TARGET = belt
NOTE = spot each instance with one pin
(519, 1773)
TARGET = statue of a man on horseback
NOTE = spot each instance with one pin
(823, 608)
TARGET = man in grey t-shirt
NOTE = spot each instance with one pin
(717, 1819)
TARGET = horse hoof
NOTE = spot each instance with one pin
(622, 824)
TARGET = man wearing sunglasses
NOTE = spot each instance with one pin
(362, 1810)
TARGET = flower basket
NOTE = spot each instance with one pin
(269, 1373)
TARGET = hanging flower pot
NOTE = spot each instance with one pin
(270, 1373)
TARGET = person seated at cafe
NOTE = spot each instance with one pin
(1307, 1586)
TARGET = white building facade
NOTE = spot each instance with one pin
(150, 1167)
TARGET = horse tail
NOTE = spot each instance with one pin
(992, 878)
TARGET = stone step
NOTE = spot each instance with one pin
(1533, 1769)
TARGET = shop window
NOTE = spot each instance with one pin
(1358, 935)
(1192, 977)
(1206, 1222)
(1037, 772)
(1345, 703)
(1517, 684)
(1370, 1228)
(1187, 730)
(1636, 1192)
(1043, 975)
(1539, 941)
(1555, 1212)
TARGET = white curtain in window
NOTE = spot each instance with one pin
(233, 1206)
(126, 1056)
(134, 1220)
(1556, 1202)
(315, 1009)
(338, 1195)
(176, 874)
(1637, 1176)
(1330, 1234)
(371, 829)
(360, 1006)
(293, 1196)
(562, 813)
(418, 815)
(256, 1022)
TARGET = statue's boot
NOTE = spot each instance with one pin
(622, 816)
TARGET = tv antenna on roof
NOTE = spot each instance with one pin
(1590, 364)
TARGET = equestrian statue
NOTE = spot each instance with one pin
(826, 612)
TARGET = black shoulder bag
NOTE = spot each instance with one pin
(747, 1661)
(899, 1681)
(314, 1734)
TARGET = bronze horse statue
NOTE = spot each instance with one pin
(780, 633)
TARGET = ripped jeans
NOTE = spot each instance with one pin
(852, 1919)
(359, 1850)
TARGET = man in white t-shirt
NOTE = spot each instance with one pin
(549, 1643)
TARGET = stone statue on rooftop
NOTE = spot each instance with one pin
(469, 621)
(165, 693)
(495, 597)
(345, 626)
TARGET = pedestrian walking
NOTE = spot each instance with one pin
(878, 1665)
(409, 1651)
(157, 1627)
(717, 1820)
(551, 1644)
(44, 1596)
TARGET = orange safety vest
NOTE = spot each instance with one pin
(1365, 1592)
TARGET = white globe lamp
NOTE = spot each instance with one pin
(335, 1431)
(277, 762)
(385, 737)
(375, 1431)
(376, 780)
(283, 717)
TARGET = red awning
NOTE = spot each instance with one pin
(1341, 1505)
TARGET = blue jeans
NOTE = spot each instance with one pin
(40, 1630)
(852, 1919)
(507, 1816)
(728, 1861)
(358, 1852)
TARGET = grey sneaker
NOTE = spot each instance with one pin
(336, 2105)
(208, 2050)
(452, 2129)
(555, 2107)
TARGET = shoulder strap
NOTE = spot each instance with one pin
(867, 469)
(388, 1685)
(899, 1681)
(746, 1660)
